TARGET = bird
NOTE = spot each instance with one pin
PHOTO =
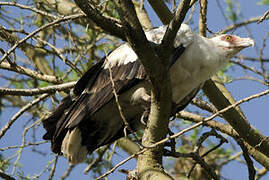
(89, 117)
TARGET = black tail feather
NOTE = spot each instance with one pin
(50, 123)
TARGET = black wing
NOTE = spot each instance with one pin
(91, 93)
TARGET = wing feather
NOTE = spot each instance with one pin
(97, 93)
(93, 91)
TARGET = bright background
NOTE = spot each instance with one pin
(256, 110)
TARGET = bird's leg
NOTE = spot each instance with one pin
(145, 116)
(141, 98)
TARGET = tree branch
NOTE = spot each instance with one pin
(38, 30)
(149, 162)
(6, 176)
(34, 54)
(31, 73)
(36, 91)
(206, 120)
(29, 8)
(264, 16)
(227, 129)
(237, 121)
(251, 169)
(20, 112)
(109, 25)
(243, 23)
(161, 10)
(221, 98)
(175, 24)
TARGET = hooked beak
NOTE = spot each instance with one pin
(244, 42)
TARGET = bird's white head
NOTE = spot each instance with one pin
(231, 44)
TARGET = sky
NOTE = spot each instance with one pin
(255, 110)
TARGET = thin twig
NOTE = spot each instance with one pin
(111, 156)
(67, 172)
(227, 129)
(19, 152)
(243, 23)
(251, 169)
(20, 112)
(251, 58)
(200, 141)
(126, 124)
(36, 91)
(261, 55)
(44, 13)
(250, 68)
(64, 59)
(67, 18)
(19, 146)
(265, 15)
(95, 162)
(252, 79)
(53, 168)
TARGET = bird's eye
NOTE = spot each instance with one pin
(228, 38)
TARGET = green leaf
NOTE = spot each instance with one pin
(264, 2)
(231, 12)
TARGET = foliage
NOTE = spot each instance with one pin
(263, 2)
(64, 51)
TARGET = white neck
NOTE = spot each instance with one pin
(200, 60)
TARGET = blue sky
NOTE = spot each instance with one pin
(255, 110)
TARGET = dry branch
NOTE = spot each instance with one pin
(36, 91)
(184, 131)
(31, 73)
(57, 21)
(38, 11)
(227, 129)
(107, 24)
(20, 112)
(243, 23)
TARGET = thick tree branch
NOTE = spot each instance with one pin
(202, 18)
(175, 24)
(204, 121)
(161, 10)
(109, 25)
(6, 176)
(142, 15)
(128, 146)
(150, 162)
